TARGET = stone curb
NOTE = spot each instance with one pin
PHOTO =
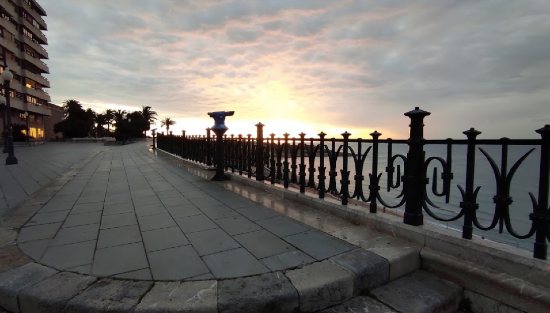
(37, 288)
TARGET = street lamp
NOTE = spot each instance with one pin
(4, 123)
(7, 76)
(153, 131)
(26, 115)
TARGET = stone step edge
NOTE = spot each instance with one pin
(421, 292)
(500, 287)
(35, 287)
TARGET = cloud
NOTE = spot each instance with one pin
(353, 63)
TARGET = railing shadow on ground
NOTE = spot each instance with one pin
(303, 163)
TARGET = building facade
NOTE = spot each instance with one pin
(22, 42)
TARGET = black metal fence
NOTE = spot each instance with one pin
(306, 162)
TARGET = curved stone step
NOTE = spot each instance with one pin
(420, 292)
(37, 288)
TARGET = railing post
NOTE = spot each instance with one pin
(374, 186)
(344, 182)
(311, 170)
(293, 166)
(260, 152)
(272, 160)
(183, 147)
(321, 176)
(208, 147)
(302, 173)
(414, 179)
(248, 156)
(286, 170)
(469, 204)
(541, 217)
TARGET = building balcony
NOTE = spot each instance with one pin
(10, 45)
(36, 62)
(37, 78)
(9, 26)
(35, 31)
(41, 94)
(9, 8)
(14, 66)
(36, 46)
(18, 104)
(34, 14)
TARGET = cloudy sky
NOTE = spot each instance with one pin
(309, 65)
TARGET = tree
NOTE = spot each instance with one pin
(78, 122)
(149, 115)
(109, 116)
(119, 115)
(100, 120)
(167, 122)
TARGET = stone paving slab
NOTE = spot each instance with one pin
(360, 304)
(12, 282)
(109, 295)
(322, 285)
(200, 297)
(51, 294)
(267, 293)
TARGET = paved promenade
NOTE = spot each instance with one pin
(125, 229)
(37, 166)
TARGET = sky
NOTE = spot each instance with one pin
(309, 66)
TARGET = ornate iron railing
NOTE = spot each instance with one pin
(317, 163)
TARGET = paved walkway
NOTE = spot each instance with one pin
(127, 215)
(37, 166)
(128, 230)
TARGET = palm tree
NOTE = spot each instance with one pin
(71, 106)
(119, 115)
(109, 116)
(149, 115)
(167, 122)
(101, 120)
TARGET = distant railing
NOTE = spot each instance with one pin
(295, 161)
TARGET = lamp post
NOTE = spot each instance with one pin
(153, 131)
(26, 115)
(7, 76)
(4, 124)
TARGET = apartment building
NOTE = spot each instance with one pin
(22, 42)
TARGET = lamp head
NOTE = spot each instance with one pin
(7, 75)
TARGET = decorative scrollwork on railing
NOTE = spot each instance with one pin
(359, 161)
(502, 198)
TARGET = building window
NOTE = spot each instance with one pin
(33, 100)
